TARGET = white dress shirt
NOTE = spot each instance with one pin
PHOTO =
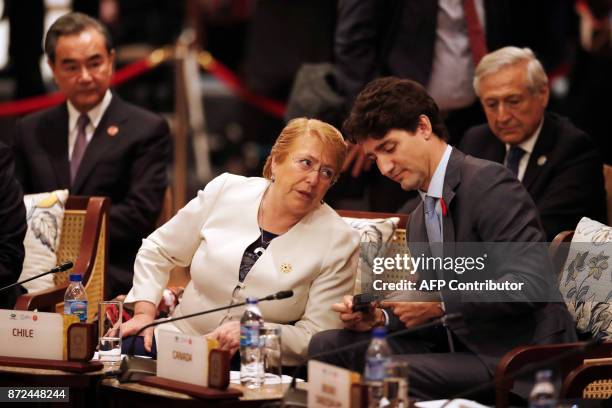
(95, 115)
(450, 83)
(527, 146)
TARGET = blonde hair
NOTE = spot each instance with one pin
(507, 56)
(329, 136)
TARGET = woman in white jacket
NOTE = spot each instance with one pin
(255, 236)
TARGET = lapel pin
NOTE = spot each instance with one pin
(286, 268)
(112, 130)
(542, 160)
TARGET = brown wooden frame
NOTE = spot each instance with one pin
(583, 375)
(97, 209)
(520, 357)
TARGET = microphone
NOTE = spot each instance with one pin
(59, 268)
(133, 368)
(297, 398)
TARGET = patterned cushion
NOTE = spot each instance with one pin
(586, 279)
(375, 234)
(44, 215)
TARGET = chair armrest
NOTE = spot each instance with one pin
(44, 300)
(577, 380)
(520, 357)
(97, 213)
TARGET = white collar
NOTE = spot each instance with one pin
(436, 184)
(95, 114)
(527, 145)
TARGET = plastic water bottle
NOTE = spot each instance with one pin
(543, 392)
(377, 358)
(75, 298)
(251, 365)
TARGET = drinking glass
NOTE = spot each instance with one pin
(109, 322)
(396, 383)
(270, 341)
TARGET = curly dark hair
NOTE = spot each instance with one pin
(391, 103)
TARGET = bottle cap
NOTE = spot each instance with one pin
(544, 375)
(379, 332)
(75, 277)
(252, 300)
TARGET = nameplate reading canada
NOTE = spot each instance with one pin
(182, 357)
(329, 386)
(31, 334)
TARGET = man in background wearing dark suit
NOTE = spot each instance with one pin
(12, 229)
(556, 162)
(464, 200)
(96, 144)
(437, 43)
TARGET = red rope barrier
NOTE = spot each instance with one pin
(24, 106)
(222, 73)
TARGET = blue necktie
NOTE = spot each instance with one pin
(434, 235)
(515, 154)
(432, 224)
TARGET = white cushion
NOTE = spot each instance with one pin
(586, 279)
(375, 234)
(44, 215)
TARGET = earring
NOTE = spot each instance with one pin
(273, 178)
(322, 202)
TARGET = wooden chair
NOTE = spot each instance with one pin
(167, 210)
(607, 170)
(84, 241)
(520, 357)
(590, 380)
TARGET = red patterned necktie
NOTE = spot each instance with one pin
(79, 146)
(478, 44)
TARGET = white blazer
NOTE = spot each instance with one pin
(316, 258)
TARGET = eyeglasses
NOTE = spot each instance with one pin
(306, 165)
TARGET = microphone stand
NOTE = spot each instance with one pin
(60, 268)
(133, 368)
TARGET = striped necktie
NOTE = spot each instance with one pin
(79, 146)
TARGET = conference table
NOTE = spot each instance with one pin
(116, 395)
(82, 386)
(94, 389)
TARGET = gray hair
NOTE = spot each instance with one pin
(73, 23)
(507, 56)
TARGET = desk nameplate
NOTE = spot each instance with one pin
(330, 386)
(63, 365)
(182, 357)
(34, 335)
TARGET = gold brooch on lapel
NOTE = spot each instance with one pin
(112, 131)
(542, 160)
(286, 268)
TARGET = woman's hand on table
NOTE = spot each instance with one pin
(228, 336)
(144, 313)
